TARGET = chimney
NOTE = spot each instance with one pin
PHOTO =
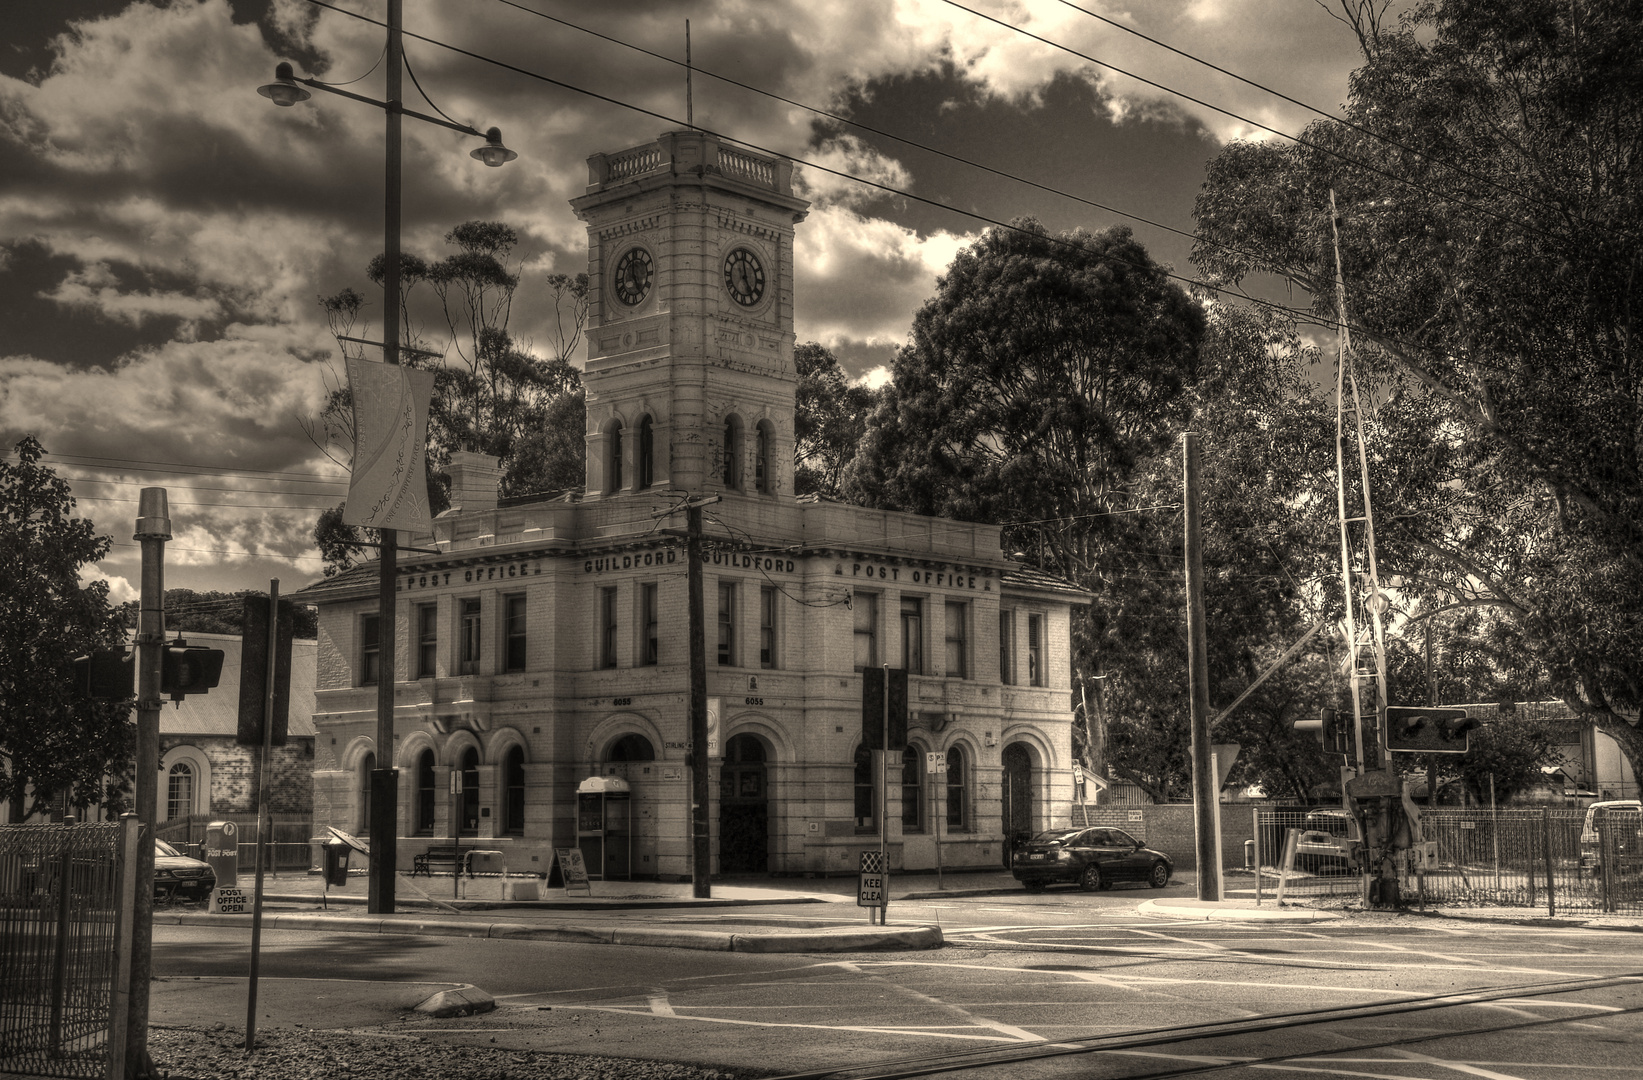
(474, 480)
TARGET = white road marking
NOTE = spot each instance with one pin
(870, 1029)
(1456, 1066)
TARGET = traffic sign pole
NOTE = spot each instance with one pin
(935, 766)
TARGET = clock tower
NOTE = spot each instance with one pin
(690, 380)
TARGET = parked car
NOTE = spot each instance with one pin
(1326, 843)
(178, 876)
(1091, 858)
(1625, 837)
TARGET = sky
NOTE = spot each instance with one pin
(165, 232)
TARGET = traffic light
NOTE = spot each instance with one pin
(254, 672)
(872, 708)
(106, 674)
(1333, 731)
(188, 669)
(1427, 731)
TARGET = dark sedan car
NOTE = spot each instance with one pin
(1094, 858)
(177, 875)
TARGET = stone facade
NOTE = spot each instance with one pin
(547, 641)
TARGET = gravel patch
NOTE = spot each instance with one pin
(283, 1054)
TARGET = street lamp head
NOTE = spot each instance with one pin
(284, 91)
(493, 153)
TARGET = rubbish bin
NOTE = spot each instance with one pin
(336, 862)
(1249, 855)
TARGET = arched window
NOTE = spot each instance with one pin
(647, 452)
(179, 791)
(958, 803)
(733, 453)
(865, 794)
(425, 793)
(470, 792)
(763, 481)
(912, 790)
(614, 458)
(367, 766)
(513, 802)
(631, 747)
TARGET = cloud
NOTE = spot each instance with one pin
(860, 278)
(120, 591)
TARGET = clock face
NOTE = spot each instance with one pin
(744, 277)
(633, 273)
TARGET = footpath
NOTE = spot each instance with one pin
(824, 916)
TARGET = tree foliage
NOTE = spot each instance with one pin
(1488, 183)
(188, 611)
(52, 739)
(830, 420)
(1045, 388)
(492, 393)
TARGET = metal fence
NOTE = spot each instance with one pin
(59, 909)
(1539, 859)
(290, 845)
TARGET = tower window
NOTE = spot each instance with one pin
(615, 452)
(733, 453)
(763, 482)
(647, 452)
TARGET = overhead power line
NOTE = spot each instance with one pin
(1297, 313)
(1298, 140)
(1280, 95)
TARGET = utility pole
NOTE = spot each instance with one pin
(701, 848)
(1205, 791)
(153, 530)
(385, 778)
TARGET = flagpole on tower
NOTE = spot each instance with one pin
(690, 109)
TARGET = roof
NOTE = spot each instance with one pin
(353, 583)
(218, 712)
(1026, 577)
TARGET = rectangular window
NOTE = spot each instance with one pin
(607, 627)
(427, 639)
(370, 650)
(727, 623)
(1035, 650)
(649, 613)
(514, 632)
(957, 654)
(767, 627)
(1006, 646)
(912, 790)
(912, 635)
(958, 805)
(866, 607)
(469, 659)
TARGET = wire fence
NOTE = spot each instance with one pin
(1559, 861)
(290, 844)
(59, 898)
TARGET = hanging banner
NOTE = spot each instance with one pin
(388, 488)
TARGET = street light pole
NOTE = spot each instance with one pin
(385, 778)
(287, 90)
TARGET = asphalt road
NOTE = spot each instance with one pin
(1019, 971)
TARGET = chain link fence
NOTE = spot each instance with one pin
(1556, 861)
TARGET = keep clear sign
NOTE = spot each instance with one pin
(873, 887)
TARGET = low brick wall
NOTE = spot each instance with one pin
(1169, 828)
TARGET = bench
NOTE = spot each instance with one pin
(444, 854)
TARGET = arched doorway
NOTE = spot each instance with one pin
(744, 808)
(1017, 797)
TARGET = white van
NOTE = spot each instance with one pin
(1624, 841)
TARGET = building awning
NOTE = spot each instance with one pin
(603, 785)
